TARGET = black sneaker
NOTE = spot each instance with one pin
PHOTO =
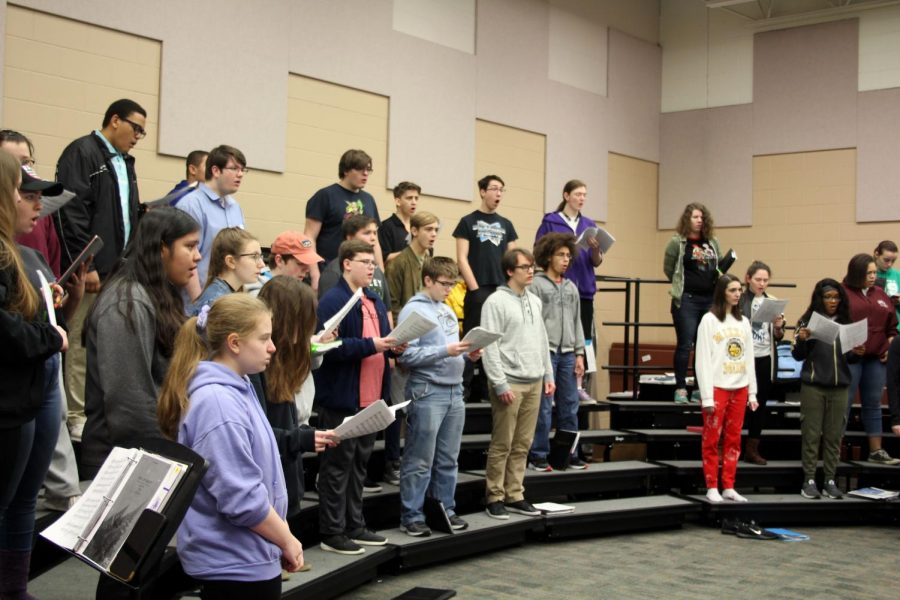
(881, 457)
(830, 490)
(496, 510)
(371, 487)
(392, 472)
(457, 523)
(810, 490)
(577, 464)
(540, 464)
(367, 537)
(417, 529)
(340, 544)
(523, 507)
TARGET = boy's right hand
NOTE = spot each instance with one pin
(457, 348)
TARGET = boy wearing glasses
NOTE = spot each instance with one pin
(351, 377)
(100, 171)
(436, 415)
(482, 238)
(518, 368)
(212, 205)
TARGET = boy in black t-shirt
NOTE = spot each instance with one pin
(393, 234)
(482, 237)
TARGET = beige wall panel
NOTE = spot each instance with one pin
(577, 51)
(878, 181)
(683, 36)
(804, 95)
(512, 41)
(729, 60)
(450, 24)
(432, 119)
(879, 48)
(523, 201)
(250, 80)
(634, 96)
(577, 147)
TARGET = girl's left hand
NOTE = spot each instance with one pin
(754, 405)
(59, 295)
(709, 409)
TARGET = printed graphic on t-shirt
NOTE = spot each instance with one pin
(702, 256)
(354, 207)
(735, 349)
(448, 323)
(489, 232)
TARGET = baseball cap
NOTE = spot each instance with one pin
(32, 183)
(297, 245)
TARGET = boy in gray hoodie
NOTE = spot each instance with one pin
(436, 415)
(518, 368)
(562, 319)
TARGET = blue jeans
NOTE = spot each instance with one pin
(30, 459)
(869, 376)
(566, 404)
(434, 425)
(687, 320)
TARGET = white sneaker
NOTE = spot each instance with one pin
(732, 495)
(713, 495)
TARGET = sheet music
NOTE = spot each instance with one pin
(375, 417)
(47, 293)
(332, 323)
(89, 251)
(479, 338)
(854, 334)
(411, 328)
(769, 309)
(604, 237)
(823, 329)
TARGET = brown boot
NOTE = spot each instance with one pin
(751, 452)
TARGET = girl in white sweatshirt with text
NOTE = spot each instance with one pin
(727, 380)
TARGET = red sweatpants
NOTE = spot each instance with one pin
(729, 415)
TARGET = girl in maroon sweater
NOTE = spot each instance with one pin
(868, 374)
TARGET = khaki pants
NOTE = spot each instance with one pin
(823, 414)
(511, 437)
(75, 370)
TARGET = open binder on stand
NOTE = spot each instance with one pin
(126, 518)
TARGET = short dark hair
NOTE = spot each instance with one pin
(405, 186)
(511, 258)
(353, 159)
(856, 270)
(219, 157)
(547, 246)
(485, 181)
(350, 248)
(194, 159)
(886, 246)
(123, 109)
(434, 267)
(719, 304)
(355, 223)
(8, 135)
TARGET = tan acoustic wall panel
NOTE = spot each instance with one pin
(804, 88)
(878, 158)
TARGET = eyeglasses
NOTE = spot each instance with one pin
(528, 268)
(256, 256)
(368, 262)
(139, 132)
(496, 189)
(237, 169)
(448, 285)
(365, 170)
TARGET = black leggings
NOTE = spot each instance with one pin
(241, 590)
(756, 419)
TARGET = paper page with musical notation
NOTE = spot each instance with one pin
(373, 418)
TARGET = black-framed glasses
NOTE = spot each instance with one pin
(237, 169)
(256, 256)
(139, 132)
(448, 285)
(368, 262)
(528, 268)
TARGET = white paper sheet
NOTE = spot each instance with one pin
(479, 338)
(769, 309)
(47, 293)
(332, 323)
(411, 328)
(601, 235)
(854, 334)
(375, 417)
(823, 329)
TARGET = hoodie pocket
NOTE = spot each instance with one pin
(518, 361)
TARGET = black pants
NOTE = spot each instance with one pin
(475, 384)
(342, 470)
(755, 420)
(240, 590)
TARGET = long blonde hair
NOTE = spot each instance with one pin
(234, 313)
(230, 241)
(21, 298)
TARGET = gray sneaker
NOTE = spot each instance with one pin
(810, 490)
(883, 458)
(830, 490)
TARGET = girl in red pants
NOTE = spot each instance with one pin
(727, 379)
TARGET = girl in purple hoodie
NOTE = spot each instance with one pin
(567, 218)
(234, 537)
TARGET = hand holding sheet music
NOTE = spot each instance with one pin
(768, 310)
(603, 237)
(332, 324)
(479, 338)
(411, 328)
(823, 329)
(47, 294)
(375, 417)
